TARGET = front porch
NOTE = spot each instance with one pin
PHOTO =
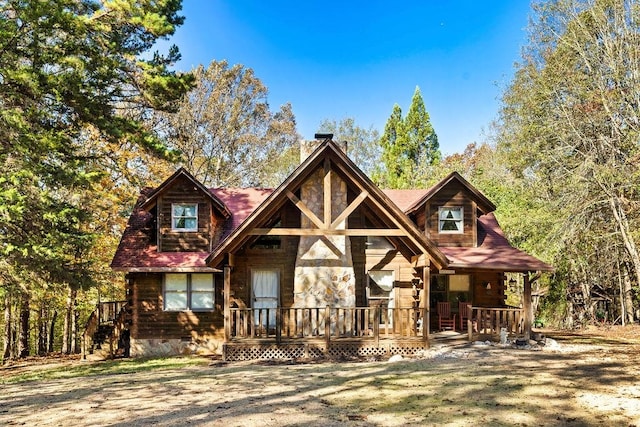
(336, 332)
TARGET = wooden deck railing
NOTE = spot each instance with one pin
(489, 321)
(109, 313)
(326, 323)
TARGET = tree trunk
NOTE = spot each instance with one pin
(627, 297)
(52, 329)
(68, 321)
(23, 339)
(627, 237)
(7, 335)
(42, 330)
(74, 330)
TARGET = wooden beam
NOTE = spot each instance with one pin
(349, 210)
(398, 224)
(420, 260)
(227, 304)
(327, 193)
(305, 210)
(425, 302)
(383, 232)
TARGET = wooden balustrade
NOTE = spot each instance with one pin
(111, 314)
(108, 311)
(489, 321)
(326, 323)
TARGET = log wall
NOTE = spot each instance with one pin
(453, 194)
(150, 321)
(183, 191)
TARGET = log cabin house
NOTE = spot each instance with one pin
(325, 264)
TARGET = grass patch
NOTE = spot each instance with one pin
(109, 367)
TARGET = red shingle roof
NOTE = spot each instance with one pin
(404, 198)
(493, 252)
(137, 250)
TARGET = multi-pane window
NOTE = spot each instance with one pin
(184, 217)
(450, 219)
(188, 291)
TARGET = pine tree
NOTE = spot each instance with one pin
(409, 147)
(72, 74)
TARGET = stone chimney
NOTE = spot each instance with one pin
(308, 146)
(324, 274)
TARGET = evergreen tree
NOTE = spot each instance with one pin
(409, 147)
(72, 75)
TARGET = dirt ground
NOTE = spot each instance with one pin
(584, 378)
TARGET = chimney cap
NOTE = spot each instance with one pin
(323, 136)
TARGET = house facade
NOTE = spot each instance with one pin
(325, 264)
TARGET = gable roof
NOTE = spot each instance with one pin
(137, 252)
(245, 207)
(183, 173)
(386, 211)
(484, 204)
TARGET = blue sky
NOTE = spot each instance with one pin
(337, 59)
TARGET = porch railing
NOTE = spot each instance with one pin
(109, 319)
(108, 311)
(326, 323)
(489, 321)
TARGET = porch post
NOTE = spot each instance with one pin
(425, 301)
(528, 307)
(227, 303)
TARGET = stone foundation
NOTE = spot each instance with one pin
(173, 347)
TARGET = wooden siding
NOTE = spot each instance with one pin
(183, 191)
(453, 194)
(282, 259)
(150, 321)
(483, 297)
(377, 259)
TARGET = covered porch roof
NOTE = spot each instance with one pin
(493, 252)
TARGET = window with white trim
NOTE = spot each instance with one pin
(189, 291)
(184, 217)
(451, 219)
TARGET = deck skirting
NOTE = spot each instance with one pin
(319, 349)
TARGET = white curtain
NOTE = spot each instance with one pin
(265, 294)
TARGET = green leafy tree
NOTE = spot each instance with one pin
(72, 74)
(409, 147)
(570, 130)
(362, 144)
(226, 132)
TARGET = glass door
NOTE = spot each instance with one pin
(265, 288)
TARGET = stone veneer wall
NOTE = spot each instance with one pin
(172, 347)
(324, 274)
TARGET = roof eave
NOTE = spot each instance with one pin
(219, 205)
(489, 206)
(502, 267)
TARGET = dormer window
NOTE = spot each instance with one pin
(450, 219)
(184, 217)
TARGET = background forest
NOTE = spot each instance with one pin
(91, 114)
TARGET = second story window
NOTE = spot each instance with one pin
(184, 217)
(450, 219)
